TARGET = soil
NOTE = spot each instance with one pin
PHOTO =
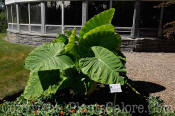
(154, 72)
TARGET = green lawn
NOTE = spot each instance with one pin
(13, 76)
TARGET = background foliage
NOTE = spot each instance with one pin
(3, 21)
(169, 27)
(3, 18)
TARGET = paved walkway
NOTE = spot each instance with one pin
(155, 71)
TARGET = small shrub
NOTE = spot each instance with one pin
(169, 30)
(3, 22)
(156, 107)
(169, 27)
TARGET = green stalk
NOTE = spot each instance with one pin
(92, 88)
(134, 90)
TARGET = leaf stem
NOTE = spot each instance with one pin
(134, 90)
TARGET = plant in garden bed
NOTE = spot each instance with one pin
(77, 62)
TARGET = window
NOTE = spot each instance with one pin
(14, 13)
(95, 7)
(149, 16)
(123, 16)
(73, 13)
(9, 14)
(149, 19)
(35, 13)
(53, 13)
(23, 13)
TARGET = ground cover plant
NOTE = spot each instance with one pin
(44, 106)
(13, 76)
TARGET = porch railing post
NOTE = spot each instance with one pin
(17, 12)
(84, 11)
(110, 3)
(161, 21)
(136, 18)
(29, 26)
(7, 17)
(62, 15)
(42, 17)
(12, 15)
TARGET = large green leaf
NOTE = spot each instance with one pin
(72, 42)
(105, 67)
(68, 32)
(61, 38)
(106, 39)
(48, 57)
(75, 81)
(98, 20)
(107, 27)
(42, 83)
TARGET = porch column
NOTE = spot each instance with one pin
(29, 17)
(7, 17)
(62, 15)
(42, 17)
(136, 18)
(84, 11)
(11, 14)
(110, 3)
(17, 14)
(161, 21)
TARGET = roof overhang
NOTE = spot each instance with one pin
(20, 1)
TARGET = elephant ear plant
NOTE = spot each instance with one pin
(77, 62)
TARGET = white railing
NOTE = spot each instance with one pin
(45, 29)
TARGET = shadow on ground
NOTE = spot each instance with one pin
(147, 87)
(128, 99)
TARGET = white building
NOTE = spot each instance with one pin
(37, 21)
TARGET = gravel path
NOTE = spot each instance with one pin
(157, 68)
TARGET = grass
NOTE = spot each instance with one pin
(13, 76)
